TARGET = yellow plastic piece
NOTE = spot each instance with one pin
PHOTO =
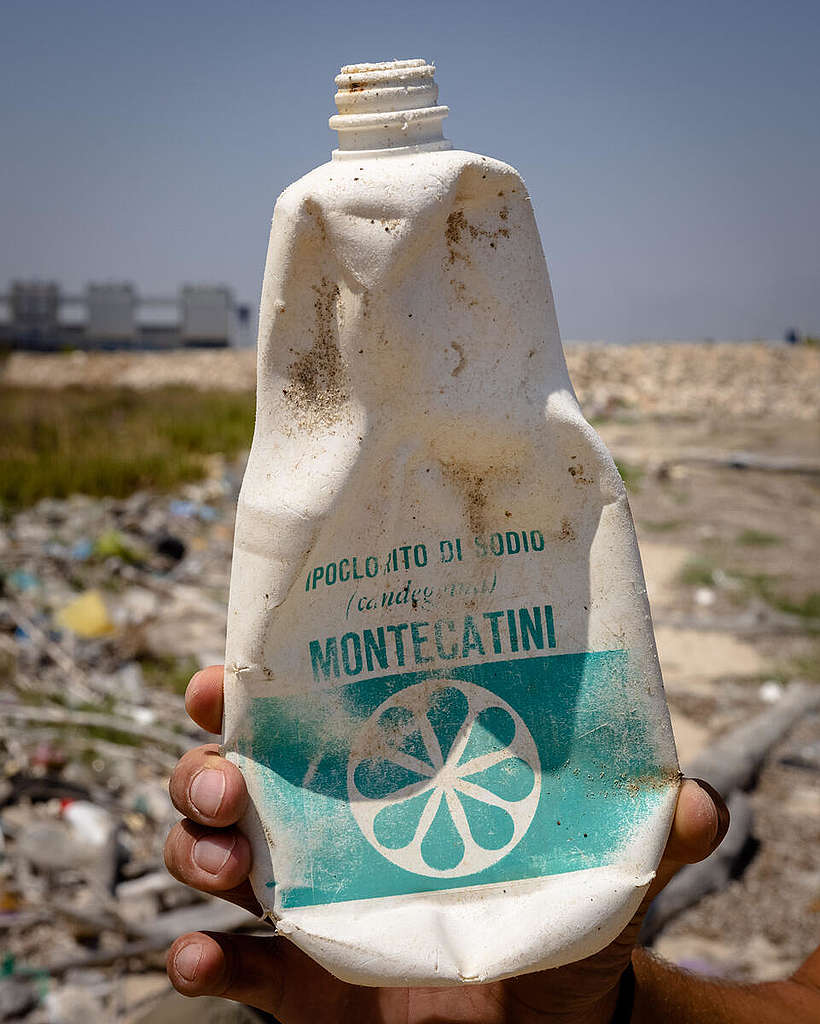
(86, 616)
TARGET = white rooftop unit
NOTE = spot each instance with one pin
(111, 312)
(208, 315)
(34, 306)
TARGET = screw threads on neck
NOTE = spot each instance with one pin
(388, 106)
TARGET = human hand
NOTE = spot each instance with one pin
(206, 851)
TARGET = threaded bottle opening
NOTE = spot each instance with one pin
(390, 105)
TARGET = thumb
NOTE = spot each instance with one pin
(698, 828)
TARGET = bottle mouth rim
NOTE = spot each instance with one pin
(392, 105)
(358, 77)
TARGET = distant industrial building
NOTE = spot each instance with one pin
(39, 317)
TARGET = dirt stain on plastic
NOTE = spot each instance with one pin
(566, 532)
(577, 474)
(319, 384)
(453, 234)
(473, 489)
(458, 229)
(313, 210)
(462, 359)
(661, 780)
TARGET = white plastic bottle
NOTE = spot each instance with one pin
(441, 684)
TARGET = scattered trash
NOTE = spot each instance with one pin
(86, 616)
(104, 615)
(82, 550)
(191, 509)
(22, 580)
(771, 691)
(171, 547)
(113, 544)
(17, 997)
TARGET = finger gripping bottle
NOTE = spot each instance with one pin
(441, 679)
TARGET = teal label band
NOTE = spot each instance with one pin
(421, 781)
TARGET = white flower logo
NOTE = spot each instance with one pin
(444, 778)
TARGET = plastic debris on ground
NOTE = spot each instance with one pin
(106, 609)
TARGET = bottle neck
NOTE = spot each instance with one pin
(388, 108)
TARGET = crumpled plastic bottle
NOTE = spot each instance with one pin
(441, 679)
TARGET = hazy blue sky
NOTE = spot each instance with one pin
(672, 150)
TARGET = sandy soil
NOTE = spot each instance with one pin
(726, 644)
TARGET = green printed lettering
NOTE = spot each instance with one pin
(351, 641)
(531, 628)
(375, 646)
(471, 638)
(419, 638)
(513, 630)
(399, 640)
(327, 664)
(550, 625)
(493, 618)
(442, 653)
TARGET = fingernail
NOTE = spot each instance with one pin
(211, 853)
(206, 791)
(721, 811)
(186, 962)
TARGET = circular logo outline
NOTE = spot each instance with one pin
(445, 778)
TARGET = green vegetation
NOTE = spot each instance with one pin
(698, 572)
(661, 525)
(168, 673)
(758, 538)
(112, 544)
(701, 572)
(767, 587)
(113, 442)
(806, 666)
(631, 475)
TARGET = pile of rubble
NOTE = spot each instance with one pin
(743, 380)
(686, 379)
(106, 607)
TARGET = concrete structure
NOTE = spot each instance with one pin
(40, 317)
(34, 308)
(111, 313)
(208, 316)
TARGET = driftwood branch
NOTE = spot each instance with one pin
(731, 765)
(733, 760)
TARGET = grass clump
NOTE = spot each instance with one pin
(168, 672)
(769, 589)
(661, 525)
(630, 474)
(115, 441)
(698, 572)
(758, 538)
